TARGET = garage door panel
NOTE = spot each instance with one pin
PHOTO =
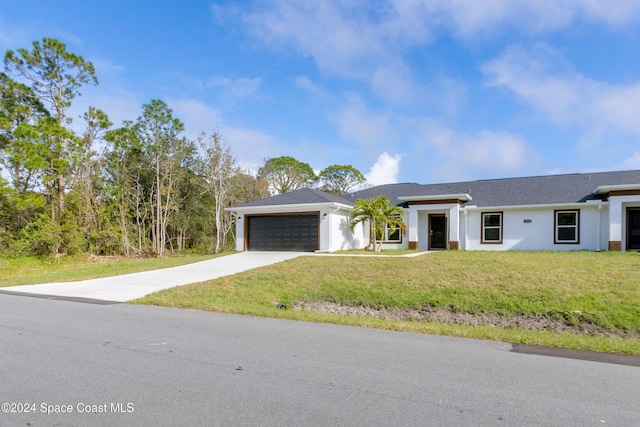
(283, 233)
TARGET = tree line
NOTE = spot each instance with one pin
(142, 188)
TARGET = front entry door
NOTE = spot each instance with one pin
(633, 229)
(437, 232)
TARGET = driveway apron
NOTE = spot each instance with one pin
(136, 285)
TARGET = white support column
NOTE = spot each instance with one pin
(240, 232)
(454, 227)
(615, 224)
(413, 228)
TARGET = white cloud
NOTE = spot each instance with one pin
(541, 78)
(394, 83)
(252, 146)
(618, 106)
(196, 116)
(236, 88)
(426, 145)
(105, 67)
(307, 85)
(468, 19)
(359, 125)
(461, 154)
(498, 150)
(358, 39)
(118, 103)
(22, 36)
(632, 162)
(337, 35)
(384, 170)
(351, 39)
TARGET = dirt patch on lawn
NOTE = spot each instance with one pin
(565, 322)
(104, 259)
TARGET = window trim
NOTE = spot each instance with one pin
(387, 232)
(483, 228)
(556, 227)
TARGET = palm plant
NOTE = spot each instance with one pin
(379, 213)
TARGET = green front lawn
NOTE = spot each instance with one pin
(34, 270)
(603, 288)
(388, 252)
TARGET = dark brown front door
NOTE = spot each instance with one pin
(437, 232)
(633, 229)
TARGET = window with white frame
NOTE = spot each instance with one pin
(491, 227)
(391, 236)
(567, 226)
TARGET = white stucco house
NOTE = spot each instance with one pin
(587, 211)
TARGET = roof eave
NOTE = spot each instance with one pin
(567, 205)
(297, 207)
(463, 197)
(604, 189)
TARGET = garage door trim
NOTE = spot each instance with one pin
(309, 213)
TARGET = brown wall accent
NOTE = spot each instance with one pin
(435, 202)
(413, 245)
(624, 193)
(615, 245)
(454, 245)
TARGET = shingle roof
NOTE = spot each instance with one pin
(303, 195)
(534, 190)
(392, 191)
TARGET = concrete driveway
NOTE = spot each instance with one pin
(131, 286)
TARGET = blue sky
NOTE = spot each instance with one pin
(404, 90)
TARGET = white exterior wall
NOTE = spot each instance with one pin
(464, 229)
(539, 233)
(604, 227)
(324, 222)
(419, 223)
(616, 220)
(336, 234)
(240, 233)
(618, 213)
(423, 231)
(454, 223)
(412, 220)
(600, 222)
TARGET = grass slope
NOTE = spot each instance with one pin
(603, 287)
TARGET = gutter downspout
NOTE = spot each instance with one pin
(599, 226)
(466, 229)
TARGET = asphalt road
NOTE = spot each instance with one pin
(122, 364)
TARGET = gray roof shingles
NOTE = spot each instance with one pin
(534, 190)
(301, 196)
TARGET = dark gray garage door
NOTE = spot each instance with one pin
(297, 233)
